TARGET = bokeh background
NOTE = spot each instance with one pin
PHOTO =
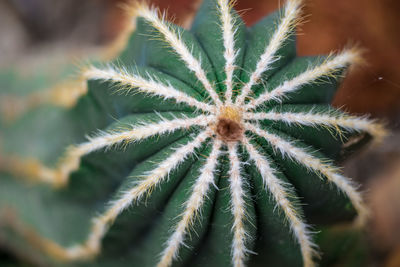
(52, 34)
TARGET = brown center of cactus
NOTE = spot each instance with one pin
(229, 126)
(229, 130)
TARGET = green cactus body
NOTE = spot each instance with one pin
(219, 142)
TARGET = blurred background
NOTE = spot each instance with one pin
(52, 34)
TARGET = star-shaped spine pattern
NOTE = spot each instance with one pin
(217, 118)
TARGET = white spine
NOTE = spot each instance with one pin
(288, 21)
(230, 53)
(177, 44)
(315, 164)
(192, 207)
(238, 208)
(143, 132)
(327, 68)
(150, 86)
(346, 122)
(281, 195)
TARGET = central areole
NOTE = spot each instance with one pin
(229, 127)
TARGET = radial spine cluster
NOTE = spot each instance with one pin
(229, 122)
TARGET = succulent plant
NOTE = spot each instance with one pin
(215, 147)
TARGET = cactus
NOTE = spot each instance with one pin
(215, 146)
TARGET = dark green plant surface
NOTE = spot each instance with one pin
(52, 225)
(343, 246)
